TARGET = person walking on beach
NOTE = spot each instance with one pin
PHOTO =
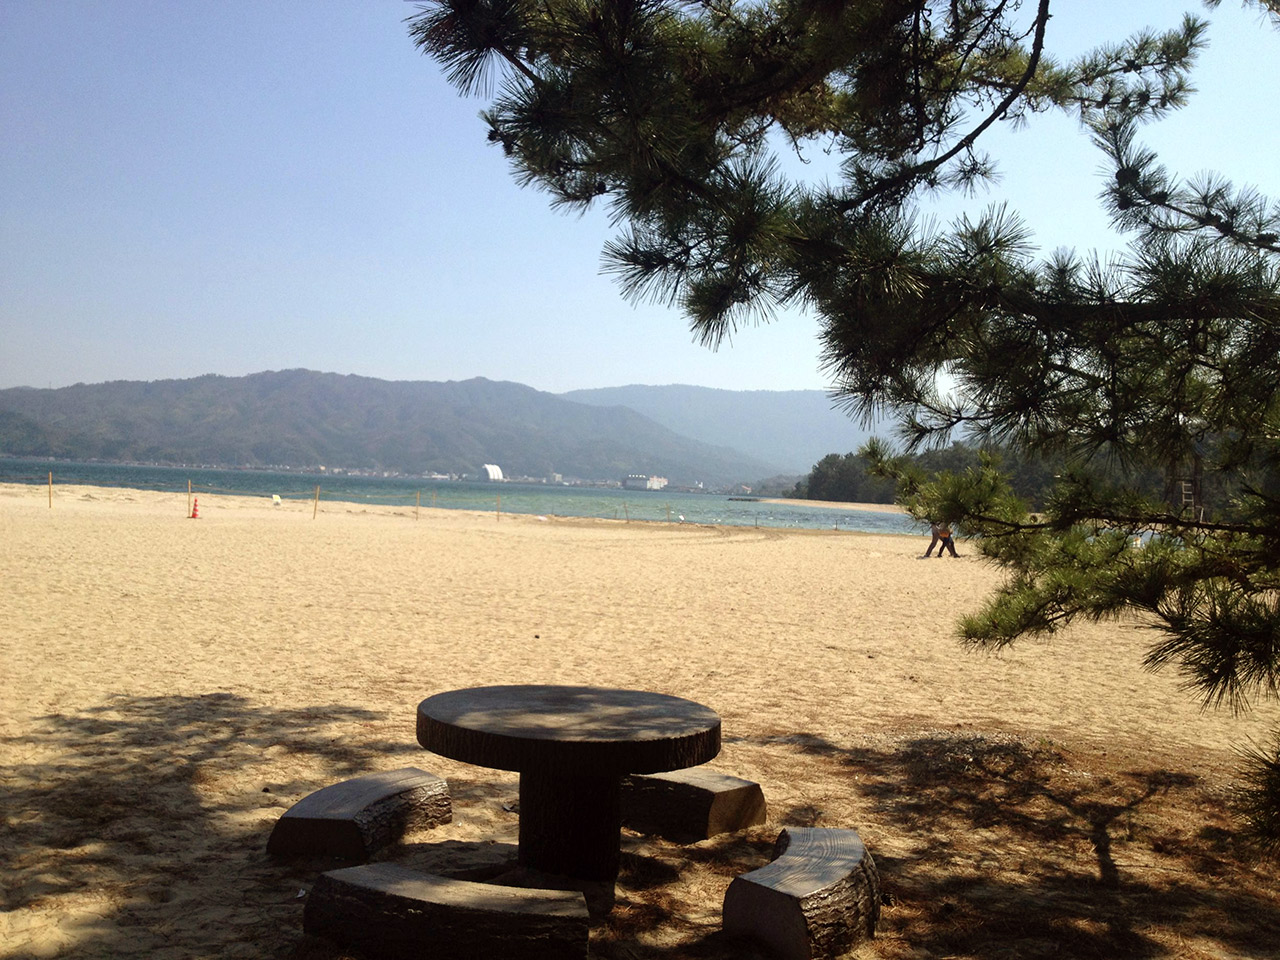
(936, 529)
(944, 531)
(941, 534)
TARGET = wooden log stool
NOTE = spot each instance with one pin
(690, 805)
(818, 898)
(352, 819)
(388, 911)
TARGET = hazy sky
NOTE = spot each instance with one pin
(244, 185)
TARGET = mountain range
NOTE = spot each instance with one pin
(301, 418)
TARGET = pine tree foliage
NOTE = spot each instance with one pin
(678, 116)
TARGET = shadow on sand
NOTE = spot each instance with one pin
(1020, 850)
(138, 828)
(135, 834)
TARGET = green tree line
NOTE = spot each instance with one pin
(858, 477)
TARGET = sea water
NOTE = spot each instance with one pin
(529, 498)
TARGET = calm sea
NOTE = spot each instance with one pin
(544, 499)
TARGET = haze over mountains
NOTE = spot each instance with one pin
(301, 418)
(792, 428)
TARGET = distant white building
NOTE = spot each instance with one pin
(642, 481)
(492, 472)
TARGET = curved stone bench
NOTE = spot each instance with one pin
(818, 898)
(388, 911)
(690, 805)
(351, 819)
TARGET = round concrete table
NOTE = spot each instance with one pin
(571, 747)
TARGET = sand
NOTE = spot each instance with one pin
(172, 685)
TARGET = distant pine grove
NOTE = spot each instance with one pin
(845, 476)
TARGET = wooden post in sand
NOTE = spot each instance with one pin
(417, 506)
(315, 505)
(50, 489)
(188, 498)
(499, 514)
(625, 512)
(668, 513)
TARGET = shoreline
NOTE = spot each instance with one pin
(838, 505)
(725, 510)
(72, 492)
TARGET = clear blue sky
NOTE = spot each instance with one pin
(244, 185)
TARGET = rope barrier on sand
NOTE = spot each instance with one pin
(412, 498)
(248, 492)
(33, 479)
(439, 500)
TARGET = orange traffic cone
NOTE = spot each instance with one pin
(195, 509)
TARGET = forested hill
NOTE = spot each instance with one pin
(301, 418)
(794, 428)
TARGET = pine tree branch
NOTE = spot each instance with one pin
(918, 172)
(1223, 226)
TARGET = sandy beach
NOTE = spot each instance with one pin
(171, 686)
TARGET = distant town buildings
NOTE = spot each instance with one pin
(642, 481)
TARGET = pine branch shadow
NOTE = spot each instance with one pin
(138, 828)
(125, 820)
(1018, 849)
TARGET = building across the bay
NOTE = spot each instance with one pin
(642, 481)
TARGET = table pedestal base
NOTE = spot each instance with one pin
(571, 825)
